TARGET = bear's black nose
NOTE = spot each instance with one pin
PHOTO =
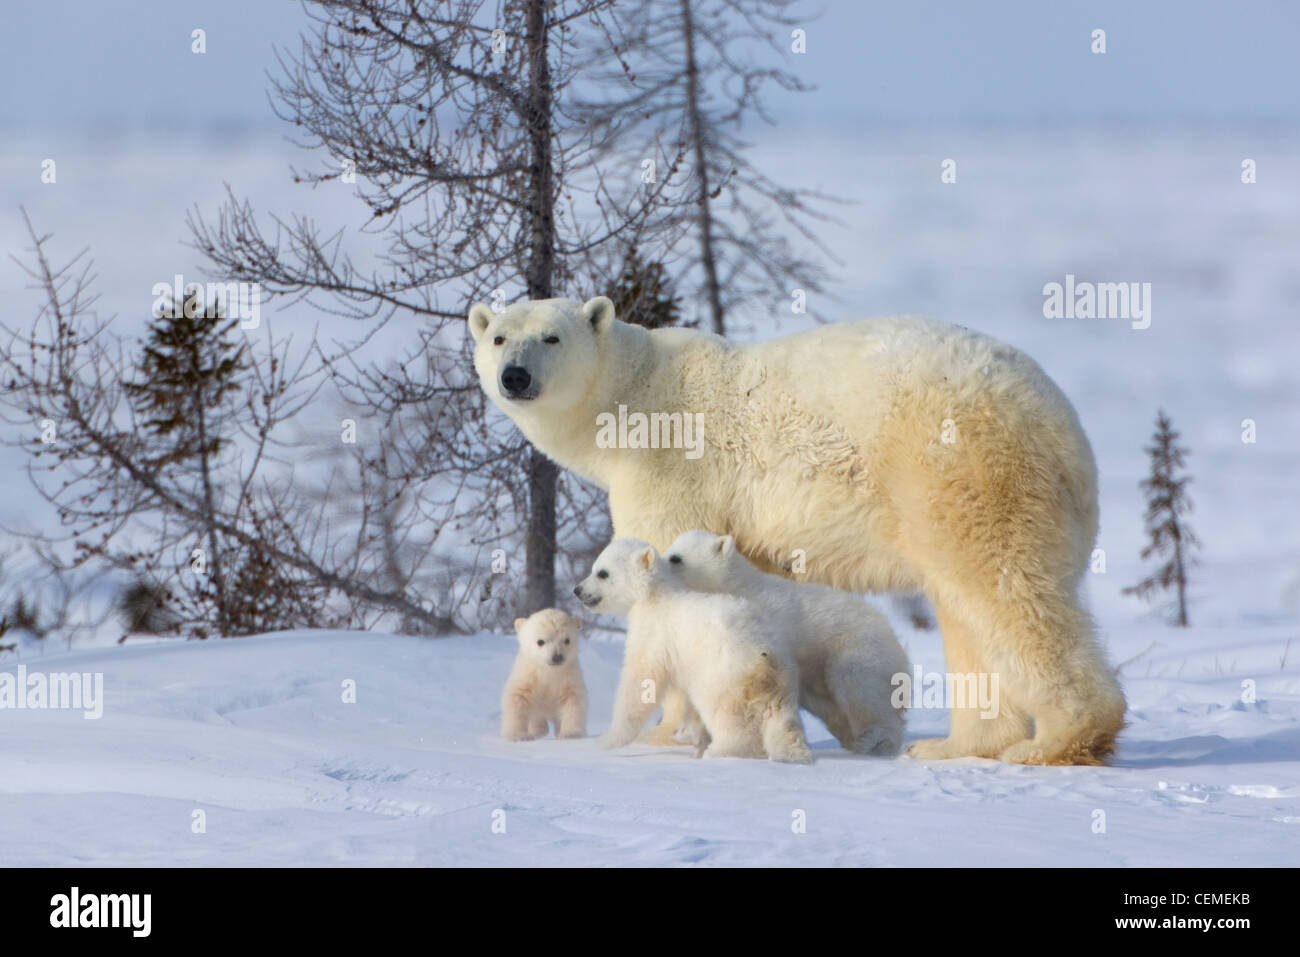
(577, 590)
(516, 379)
(557, 659)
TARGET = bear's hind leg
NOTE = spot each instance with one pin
(1074, 699)
(970, 732)
(820, 705)
(693, 731)
(783, 737)
(730, 732)
(882, 739)
(863, 708)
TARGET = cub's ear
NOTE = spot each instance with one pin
(647, 557)
(725, 545)
(479, 317)
(519, 623)
(599, 312)
(575, 621)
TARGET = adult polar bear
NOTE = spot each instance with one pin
(887, 454)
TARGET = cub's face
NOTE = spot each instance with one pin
(618, 577)
(701, 560)
(540, 355)
(549, 637)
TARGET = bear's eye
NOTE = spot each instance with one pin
(540, 642)
(675, 559)
(602, 574)
(566, 641)
(499, 341)
(552, 340)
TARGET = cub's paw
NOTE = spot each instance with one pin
(660, 736)
(934, 749)
(877, 742)
(794, 756)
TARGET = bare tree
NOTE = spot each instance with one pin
(696, 72)
(454, 122)
(123, 482)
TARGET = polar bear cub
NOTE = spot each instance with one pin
(846, 652)
(545, 685)
(716, 649)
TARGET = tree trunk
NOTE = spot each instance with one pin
(1180, 574)
(539, 560)
(210, 510)
(705, 217)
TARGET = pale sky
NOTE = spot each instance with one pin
(110, 67)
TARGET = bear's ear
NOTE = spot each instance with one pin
(575, 621)
(599, 313)
(479, 318)
(647, 557)
(725, 545)
(519, 623)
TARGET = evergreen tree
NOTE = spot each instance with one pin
(643, 295)
(189, 368)
(1167, 502)
(143, 607)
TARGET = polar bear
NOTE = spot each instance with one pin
(894, 454)
(847, 654)
(717, 650)
(545, 685)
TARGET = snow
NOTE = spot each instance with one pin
(255, 733)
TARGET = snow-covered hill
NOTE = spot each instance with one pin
(256, 735)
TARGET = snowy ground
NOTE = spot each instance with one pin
(255, 734)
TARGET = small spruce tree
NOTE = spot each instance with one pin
(1167, 502)
(191, 369)
(643, 295)
(143, 607)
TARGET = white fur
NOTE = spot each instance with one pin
(715, 649)
(894, 454)
(541, 690)
(846, 651)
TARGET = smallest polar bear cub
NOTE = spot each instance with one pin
(718, 650)
(545, 685)
(847, 654)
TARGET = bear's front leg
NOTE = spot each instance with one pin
(630, 707)
(573, 716)
(514, 718)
